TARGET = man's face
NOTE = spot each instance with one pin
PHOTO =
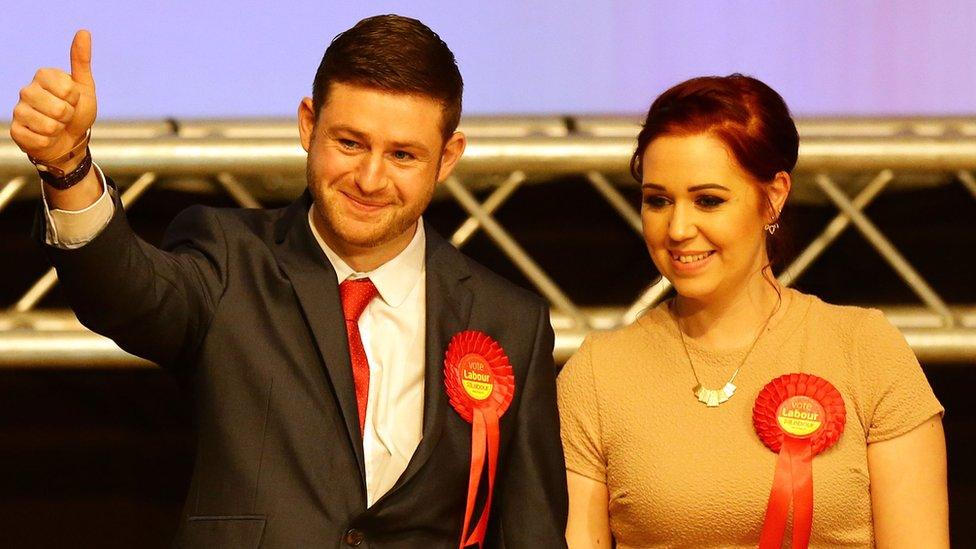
(374, 159)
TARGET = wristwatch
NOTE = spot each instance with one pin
(58, 178)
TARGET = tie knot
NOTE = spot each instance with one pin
(355, 296)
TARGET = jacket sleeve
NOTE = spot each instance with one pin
(154, 303)
(532, 485)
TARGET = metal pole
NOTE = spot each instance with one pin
(494, 201)
(10, 190)
(968, 181)
(47, 282)
(237, 192)
(651, 297)
(887, 250)
(617, 200)
(833, 230)
(515, 252)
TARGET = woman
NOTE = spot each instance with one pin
(662, 447)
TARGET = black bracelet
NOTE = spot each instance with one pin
(71, 178)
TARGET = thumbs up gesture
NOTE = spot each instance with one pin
(56, 109)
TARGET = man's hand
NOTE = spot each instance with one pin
(56, 109)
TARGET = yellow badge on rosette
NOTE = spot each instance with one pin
(480, 385)
(476, 378)
(800, 416)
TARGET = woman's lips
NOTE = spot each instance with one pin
(690, 262)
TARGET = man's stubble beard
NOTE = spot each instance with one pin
(329, 213)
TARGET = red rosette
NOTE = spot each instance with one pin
(480, 385)
(797, 416)
(467, 348)
(779, 390)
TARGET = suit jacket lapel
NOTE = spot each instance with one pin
(448, 304)
(314, 280)
(448, 308)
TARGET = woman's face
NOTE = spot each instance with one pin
(703, 216)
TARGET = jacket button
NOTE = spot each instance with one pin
(354, 537)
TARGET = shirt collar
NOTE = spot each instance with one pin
(394, 279)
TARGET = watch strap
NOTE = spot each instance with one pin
(70, 179)
(51, 165)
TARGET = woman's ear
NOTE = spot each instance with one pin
(777, 192)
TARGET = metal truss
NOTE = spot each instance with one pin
(254, 161)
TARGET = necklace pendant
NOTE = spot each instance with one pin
(713, 397)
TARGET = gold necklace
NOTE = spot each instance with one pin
(713, 397)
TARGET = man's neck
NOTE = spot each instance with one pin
(363, 259)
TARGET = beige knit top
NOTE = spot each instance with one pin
(680, 474)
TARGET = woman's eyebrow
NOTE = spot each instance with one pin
(693, 188)
(706, 186)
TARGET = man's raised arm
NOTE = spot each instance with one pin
(51, 123)
(154, 303)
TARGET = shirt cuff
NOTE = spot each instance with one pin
(68, 229)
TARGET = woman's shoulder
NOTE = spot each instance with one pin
(844, 319)
(624, 348)
(851, 328)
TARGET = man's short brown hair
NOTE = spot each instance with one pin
(394, 54)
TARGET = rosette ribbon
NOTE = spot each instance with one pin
(480, 385)
(796, 416)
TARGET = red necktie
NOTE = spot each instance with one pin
(356, 295)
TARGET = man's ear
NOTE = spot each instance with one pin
(777, 192)
(306, 122)
(450, 155)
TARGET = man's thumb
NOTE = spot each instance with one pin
(81, 58)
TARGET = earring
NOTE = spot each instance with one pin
(771, 227)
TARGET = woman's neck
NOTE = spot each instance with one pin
(732, 320)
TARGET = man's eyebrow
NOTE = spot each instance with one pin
(346, 129)
(362, 137)
(409, 145)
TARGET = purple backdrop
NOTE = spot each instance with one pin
(210, 58)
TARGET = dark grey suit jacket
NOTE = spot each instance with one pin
(243, 305)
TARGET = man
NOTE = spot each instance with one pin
(314, 336)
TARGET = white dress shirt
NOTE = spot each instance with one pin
(392, 328)
(69, 229)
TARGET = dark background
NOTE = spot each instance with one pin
(101, 457)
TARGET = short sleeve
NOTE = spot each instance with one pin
(579, 415)
(899, 396)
